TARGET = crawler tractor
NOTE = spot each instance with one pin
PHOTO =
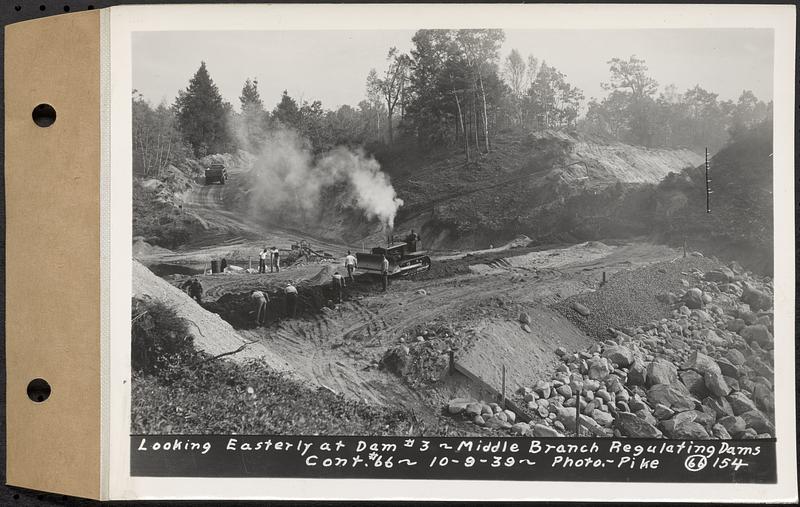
(402, 260)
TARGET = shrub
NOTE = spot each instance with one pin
(160, 341)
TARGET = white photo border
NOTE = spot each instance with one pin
(120, 22)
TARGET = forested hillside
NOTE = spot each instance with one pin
(464, 143)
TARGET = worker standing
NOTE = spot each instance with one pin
(291, 300)
(385, 273)
(338, 286)
(350, 264)
(223, 265)
(260, 301)
(275, 260)
(262, 261)
(412, 240)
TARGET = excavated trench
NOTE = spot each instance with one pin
(238, 309)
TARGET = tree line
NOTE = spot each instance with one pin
(452, 88)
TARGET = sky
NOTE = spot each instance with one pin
(332, 66)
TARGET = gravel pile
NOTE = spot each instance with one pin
(629, 297)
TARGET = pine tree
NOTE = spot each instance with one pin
(287, 112)
(203, 115)
(253, 119)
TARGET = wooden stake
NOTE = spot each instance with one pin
(504, 386)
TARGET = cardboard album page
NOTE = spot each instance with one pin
(403, 252)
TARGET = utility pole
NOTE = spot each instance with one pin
(708, 187)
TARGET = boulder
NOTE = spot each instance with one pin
(510, 416)
(478, 420)
(733, 424)
(719, 275)
(561, 352)
(748, 317)
(565, 391)
(662, 412)
(706, 419)
(520, 428)
(661, 371)
(761, 368)
(701, 315)
(526, 328)
(735, 325)
(542, 431)
(567, 416)
(720, 432)
(458, 405)
(631, 425)
(757, 299)
(727, 368)
(495, 422)
(740, 403)
(701, 363)
(598, 368)
(757, 333)
(693, 299)
(758, 421)
(637, 374)
(720, 406)
(619, 355)
(524, 318)
(543, 388)
(580, 308)
(472, 409)
(671, 397)
(602, 418)
(695, 383)
(709, 336)
(686, 430)
(763, 398)
(715, 383)
(748, 434)
(733, 383)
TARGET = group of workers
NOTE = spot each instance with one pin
(260, 299)
(274, 260)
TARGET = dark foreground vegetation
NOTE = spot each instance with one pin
(177, 389)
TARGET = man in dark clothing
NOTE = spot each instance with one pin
(196, 290)
(223, 265)
(412, 240)
(338, 286)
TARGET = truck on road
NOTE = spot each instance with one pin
(216, 172)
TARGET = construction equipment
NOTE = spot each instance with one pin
(402, 262)
(216, 172)
(305, 249)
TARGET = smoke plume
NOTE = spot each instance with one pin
(286, 174)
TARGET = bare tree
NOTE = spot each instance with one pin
(515, 72)
(391, 87)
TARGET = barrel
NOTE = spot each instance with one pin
(214, 267)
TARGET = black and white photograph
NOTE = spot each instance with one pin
(481, 232)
